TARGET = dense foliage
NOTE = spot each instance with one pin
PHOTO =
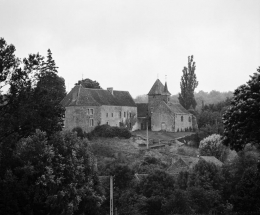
(213, 146)
(88, 83)
(188, 84)
(109, 131)
(33, 97)
(50, 176)
(241, 120)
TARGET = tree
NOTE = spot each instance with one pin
(241, 120)
(49, 91)
(188, 84)
(52, 176)
(33, 98)
(88, 83)
(212, 146)
(8, 61)
(206, 175)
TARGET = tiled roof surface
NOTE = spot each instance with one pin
(166, 91)
(157, 88)
(142, 109)
(80, 96)
(177, 108)
(212, 159)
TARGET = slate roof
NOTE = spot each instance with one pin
(212, 159)
(80, 96)
(142, 109)
(159, 89)
(177, 108)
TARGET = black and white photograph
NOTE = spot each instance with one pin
(130, 107)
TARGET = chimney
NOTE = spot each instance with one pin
(110, 89)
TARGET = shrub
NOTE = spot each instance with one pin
(109, 131)
(79, 132)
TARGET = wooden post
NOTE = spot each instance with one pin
(147, 135)
(111, 195)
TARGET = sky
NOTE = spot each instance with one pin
(127, 44)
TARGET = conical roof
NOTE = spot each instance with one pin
(165, 90)
(159, 89)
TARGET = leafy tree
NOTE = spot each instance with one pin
(178, 203)
(157, 183)
(49, 92)
(206, 175)
(51, 176)
(188, 84)
(8, 61)
(203, 201)
(88, 83)
(212, 146)
(245, 197)
(33, 98)
(241, 124)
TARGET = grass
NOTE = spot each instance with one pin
(161, 135)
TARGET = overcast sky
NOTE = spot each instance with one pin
(126, 44)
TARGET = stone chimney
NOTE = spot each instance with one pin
(110, 89)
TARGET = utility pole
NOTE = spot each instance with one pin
(147, 134)
(111, 195)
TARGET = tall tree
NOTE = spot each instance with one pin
(49, 91)
(188, 84)
(241, 120)
(88, 83)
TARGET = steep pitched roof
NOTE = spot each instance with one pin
(80, 96)
(142, 109)
(165, 90)
(212, 159)
(177, 108)
(157, 88)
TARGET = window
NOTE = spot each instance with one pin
(124, 114)
(91, 122)
(107, 123)
(107, 114)
(189, 119)
(120, 114)
(112, 115)
(91, 111)
(87, 111)
(130, 115)
(182, 118)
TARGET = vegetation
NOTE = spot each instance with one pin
(188, 84)
(241, 120)
(109, 131)
(212, 146)
(44, 170)
(88, 83)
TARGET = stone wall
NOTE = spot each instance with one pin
(111, 115)
(81, 116)
(185, 124)
(162, 118)
(154, 100)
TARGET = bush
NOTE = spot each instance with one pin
(109, 131)
(79, 132)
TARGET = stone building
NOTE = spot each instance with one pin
(88, 107)
(162, 115)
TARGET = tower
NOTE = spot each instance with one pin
(158, 93)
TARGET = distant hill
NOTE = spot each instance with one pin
(212, 97)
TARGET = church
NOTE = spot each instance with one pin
(159, 114)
